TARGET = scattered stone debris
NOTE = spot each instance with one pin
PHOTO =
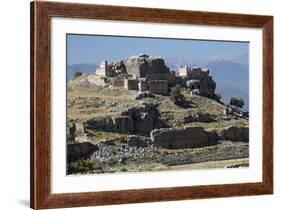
(138, 141)
(199, 117)
(145, 94)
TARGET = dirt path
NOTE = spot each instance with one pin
(210, 164)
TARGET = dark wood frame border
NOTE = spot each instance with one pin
(41, 14)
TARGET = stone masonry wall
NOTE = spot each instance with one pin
(170, 78)
(158, 86)
(117, 82)
(143, 86)
(131, 84)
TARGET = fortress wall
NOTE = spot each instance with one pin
(143, 86)
(117, 82)
(100, 72)
(171, 78)
(131, 84)
(158, 86)
(132, 66)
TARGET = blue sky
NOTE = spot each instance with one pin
(93, 49)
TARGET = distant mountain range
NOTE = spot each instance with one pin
(231, 73)
(80, 67)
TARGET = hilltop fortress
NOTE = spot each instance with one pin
(124, 118)
(150, 73)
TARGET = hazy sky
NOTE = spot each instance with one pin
(93, 49)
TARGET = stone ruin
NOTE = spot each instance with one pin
(143, 65)
(198, 81)
(150, 73)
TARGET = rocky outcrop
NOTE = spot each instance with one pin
(144, 118)
(234, 133)
(138, 141)
(76, 151)
(88, 80)
(177, 138)
(120, 123)
(140, 120)
(75, 132)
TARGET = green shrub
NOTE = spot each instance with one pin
(77, 74)
(176, 96)
(236, 102)
(217, 96)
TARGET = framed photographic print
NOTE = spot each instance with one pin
(140, 105)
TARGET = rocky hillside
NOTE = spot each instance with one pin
(120, 124)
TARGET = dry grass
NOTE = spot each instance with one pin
(99, 136)
(96, 101)
(210, 164)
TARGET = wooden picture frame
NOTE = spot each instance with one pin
(41, 14)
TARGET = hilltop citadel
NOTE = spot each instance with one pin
(123, 118)
(149, 73)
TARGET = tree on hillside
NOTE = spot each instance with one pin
(217, 97)
(176, 96)
(236, 102)
(77, 74)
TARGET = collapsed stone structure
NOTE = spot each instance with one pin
(150, 73)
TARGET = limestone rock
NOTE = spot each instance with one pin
(235, 133)
(144, 117)
(141, 119)
(120, 123)
(78, 151)
(88, 80)
(177, 138)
